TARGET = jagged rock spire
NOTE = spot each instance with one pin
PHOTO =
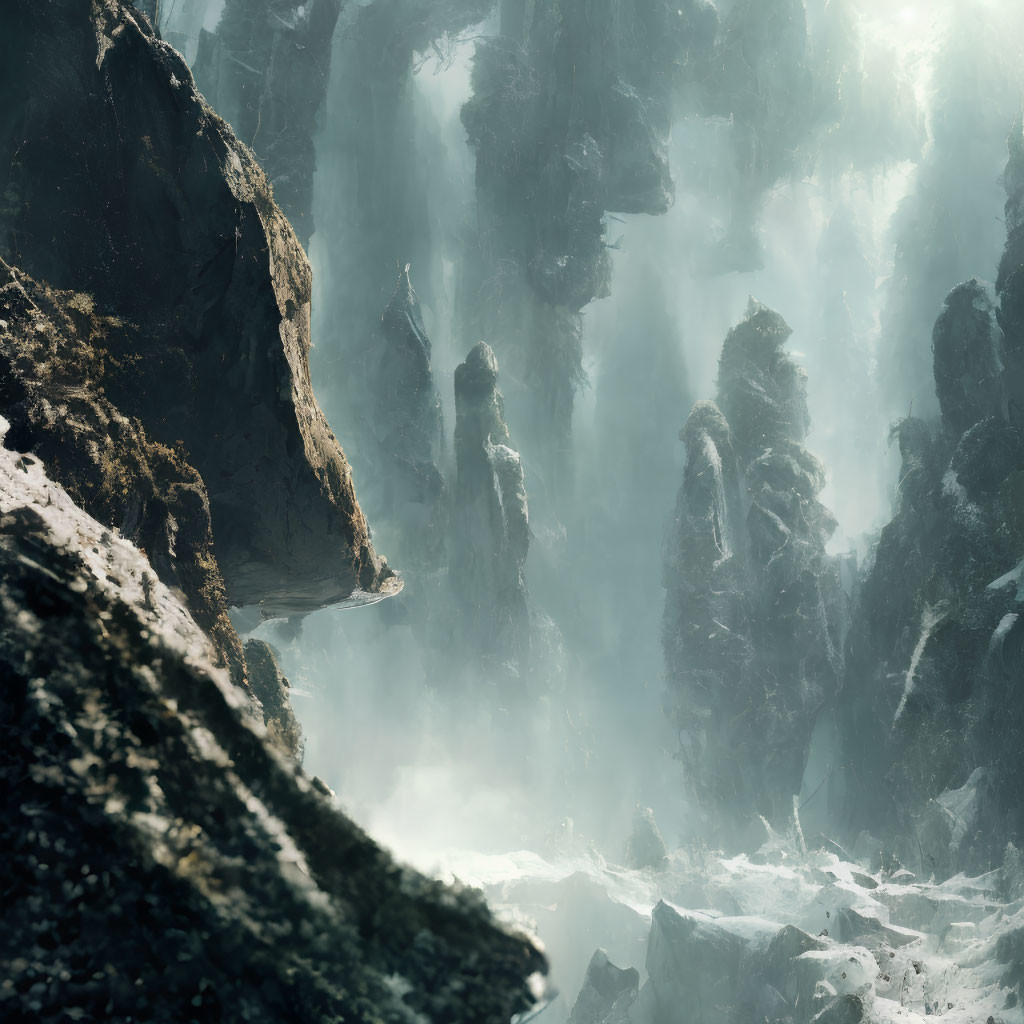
(402, 414)
(968, 357)
(491, 519)
(751, 627)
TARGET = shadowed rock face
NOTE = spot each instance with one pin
(491, 533)
(265, 72)
(931, 719)
(271, 689)
(401, 410)
(753, 610)
(54, 352)
(967, 344)
(119, 182)
(607, 994)
(164, 860)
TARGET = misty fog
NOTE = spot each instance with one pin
(507, 715)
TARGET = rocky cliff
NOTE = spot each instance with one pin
(122, 184)
(163, 459)
(491, 523)
(930, 719)
(164, 861)
(265, 71)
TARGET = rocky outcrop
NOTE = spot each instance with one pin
(270, 687)
(726, 970)
(265, 71)
(694, 963)
(490, 519)
(944, 232)
(931, 721)
(127, 188)
(569, 119)
(754, 611)
(164, 860)
(53, 352)
(967, 347)
(607, 994)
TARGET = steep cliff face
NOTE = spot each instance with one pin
(122, 184)
(164, 861)
(754, 610)
(53, 361)
(931, 719)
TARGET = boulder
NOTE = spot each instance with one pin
(607, 994)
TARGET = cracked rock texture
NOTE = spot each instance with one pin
(122, 184)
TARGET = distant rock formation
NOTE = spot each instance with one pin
(265, 71)
(931, 719)
(645, 847)
(400, 409)
(164, 860)
(967, 347)
(569, 119)
(607, 994)
(754, 611)
(129, 189)
(389, 188)
(490, 518)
